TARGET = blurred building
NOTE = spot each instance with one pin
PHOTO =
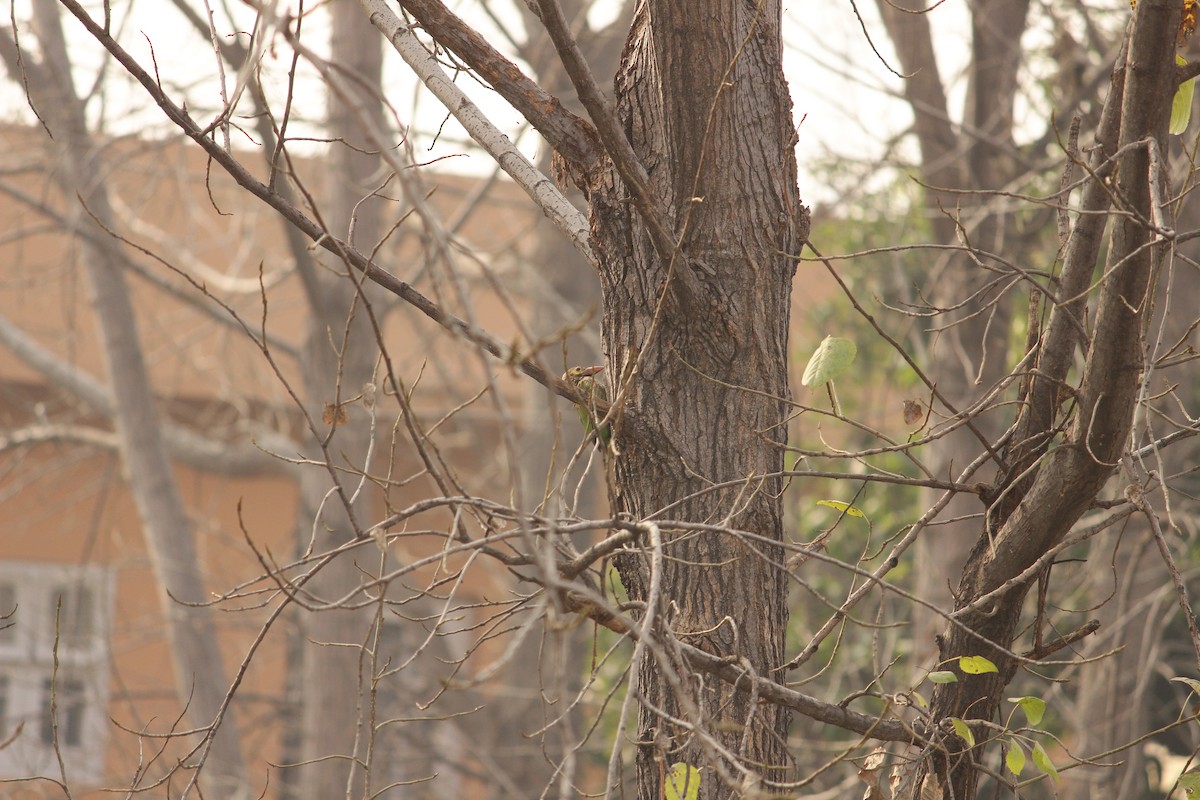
(87, 693)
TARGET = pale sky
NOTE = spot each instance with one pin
(837, 81)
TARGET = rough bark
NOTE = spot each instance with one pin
(698, 335)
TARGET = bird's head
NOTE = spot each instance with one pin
(575, 374)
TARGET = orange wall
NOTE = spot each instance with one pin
(61, 508)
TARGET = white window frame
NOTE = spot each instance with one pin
(27, 670)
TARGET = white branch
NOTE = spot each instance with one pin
(540, 188)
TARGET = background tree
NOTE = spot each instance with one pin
(695, 228)
(200, 678)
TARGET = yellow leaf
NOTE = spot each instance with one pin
(683, 782)
(1042, 761)
(1014, 758)
(963, 731)
(1034, 708)
(1181, 104)
(976, 665)
(845, 508)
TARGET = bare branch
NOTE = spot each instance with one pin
(318, 234)
(539, 188)
(570, 135)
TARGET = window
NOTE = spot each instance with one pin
(61, 614)
(63, 703)
(8, 608)
(72, 615)
(4, 721)
(8, 615)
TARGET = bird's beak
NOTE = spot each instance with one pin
(592, 370)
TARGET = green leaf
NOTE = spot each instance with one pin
(845, 508)
(943, 676)
(833, 355)
(921, 701)
(963, 731)
(1190, 783)
(1043, 762)
(1034, 708)
(976, 665)
(683, 782)
(1191, 682)
(1014, 757)
(1181, 105)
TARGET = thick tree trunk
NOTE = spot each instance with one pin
(706, 327)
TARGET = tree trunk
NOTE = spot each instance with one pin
(200, 680)
(339, 358)
(1074, 471)
(699, 335)
(969, 354)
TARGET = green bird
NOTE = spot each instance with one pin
(591, 390)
